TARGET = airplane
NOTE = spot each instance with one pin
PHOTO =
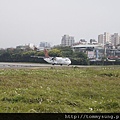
(55, 60)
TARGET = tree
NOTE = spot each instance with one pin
(55, 52)
(80, 58)
(65, 51)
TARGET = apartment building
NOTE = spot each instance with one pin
(106, 38)
(115, 39)
(101, 39)
(67, 40)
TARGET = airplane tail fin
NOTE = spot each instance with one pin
(46, 53)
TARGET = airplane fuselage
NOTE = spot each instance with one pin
(58, 60)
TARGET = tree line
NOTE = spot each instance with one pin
(24, 55)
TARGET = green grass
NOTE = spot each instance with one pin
(60, 90)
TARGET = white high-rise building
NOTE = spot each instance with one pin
(104, 38)
(101, 39)
(107, 38)
(115, 39)
(112, 40)
(67, 40)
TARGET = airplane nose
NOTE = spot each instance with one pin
(69, 62)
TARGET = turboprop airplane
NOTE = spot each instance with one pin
(55, 60)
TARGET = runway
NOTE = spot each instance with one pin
(22, 65)
(4, 65)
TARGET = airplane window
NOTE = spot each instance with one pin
(66, 59)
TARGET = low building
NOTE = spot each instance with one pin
(83, 41)
(93, 51)
(23, 47)
(93, 41)
(44, 45)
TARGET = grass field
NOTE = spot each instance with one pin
(60, 90)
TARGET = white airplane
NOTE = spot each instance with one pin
(55, 60)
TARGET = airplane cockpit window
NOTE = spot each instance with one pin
(66, 59)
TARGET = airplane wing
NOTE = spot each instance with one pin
(37, 56)
(52, 58)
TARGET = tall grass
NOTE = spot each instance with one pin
(59, 90)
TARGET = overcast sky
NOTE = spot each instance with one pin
(34, 21)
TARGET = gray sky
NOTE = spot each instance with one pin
(34, 21)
